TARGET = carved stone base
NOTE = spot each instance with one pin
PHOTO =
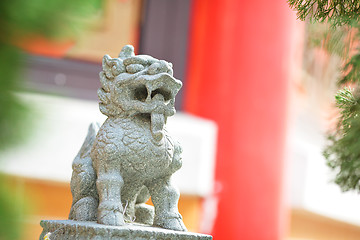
(68, 229)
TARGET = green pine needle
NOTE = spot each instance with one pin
(339, 12)
(343, 150)
(352, 70)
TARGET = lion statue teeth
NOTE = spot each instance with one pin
(131, 156)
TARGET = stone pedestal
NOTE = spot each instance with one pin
(69, 230)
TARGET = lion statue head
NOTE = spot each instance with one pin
(138, 86)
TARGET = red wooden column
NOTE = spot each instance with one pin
(237, 76)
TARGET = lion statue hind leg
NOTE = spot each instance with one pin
(83, 181)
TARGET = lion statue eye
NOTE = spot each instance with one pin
(140, 93)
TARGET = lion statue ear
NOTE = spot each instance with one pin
(112, 67)
(126, 52)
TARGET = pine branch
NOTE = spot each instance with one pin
(343, 152)
(339, 12)
(347, 104)
(352, 70)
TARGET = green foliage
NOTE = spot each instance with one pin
(340, 12)
(11, 213)
(13, 113)
(343, 150)
(55, 18)
(20, 19)
(351, 70)
(333, 40)
(347, 103)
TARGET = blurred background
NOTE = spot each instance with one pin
(256, 102)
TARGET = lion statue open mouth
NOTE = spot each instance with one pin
(131, 156)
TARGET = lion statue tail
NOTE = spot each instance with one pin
(83, 179)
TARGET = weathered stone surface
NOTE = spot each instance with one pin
(69, 229)
(131, 156)
(127, 159)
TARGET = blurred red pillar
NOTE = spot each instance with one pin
(237, 75)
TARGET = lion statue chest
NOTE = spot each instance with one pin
(127, 145)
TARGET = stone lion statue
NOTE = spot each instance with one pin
(131, 156)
